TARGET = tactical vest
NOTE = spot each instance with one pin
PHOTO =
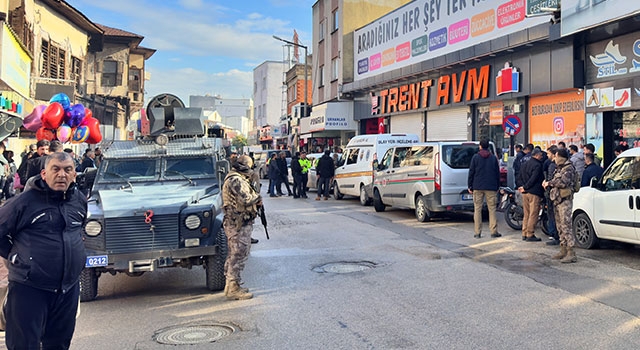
(229, 203)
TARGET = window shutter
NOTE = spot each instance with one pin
(119, 73)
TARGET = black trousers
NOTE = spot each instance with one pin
(302, 184)
(35, 317)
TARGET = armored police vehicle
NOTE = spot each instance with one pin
(156, 202)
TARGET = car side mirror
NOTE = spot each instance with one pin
(593, 182)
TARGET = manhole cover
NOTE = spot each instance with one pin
(345, 267)
(193, 334)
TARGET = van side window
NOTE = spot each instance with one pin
(459, 156)
(352, 156)
(399, 156)
(419, 156)
(386, 160)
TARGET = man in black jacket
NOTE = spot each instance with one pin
(325, 171)
(41, 237)
(296, 171)
(483, 182)
(530, 180)
(284, 173)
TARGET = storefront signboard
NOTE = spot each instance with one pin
(425, 29)
(557, 117)
(615, 58)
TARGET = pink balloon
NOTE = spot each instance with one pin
(63, 133)
(33, 121)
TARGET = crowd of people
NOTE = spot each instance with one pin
(300, 165)
(548, 178)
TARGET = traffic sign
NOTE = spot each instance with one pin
(511, 125)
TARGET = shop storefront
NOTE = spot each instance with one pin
(612, 94)
(330, 126)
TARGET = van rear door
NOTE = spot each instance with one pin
(455, 159)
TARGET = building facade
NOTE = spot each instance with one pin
(331, 123)
(267, 102)
(235, 113)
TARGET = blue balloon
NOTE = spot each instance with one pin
(62, 99)
(75, 115)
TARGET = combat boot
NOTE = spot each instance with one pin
(233, 291)
(226, 287)
(561, 254)
(570, 258)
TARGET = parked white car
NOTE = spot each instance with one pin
(610, 207)
(313, 180)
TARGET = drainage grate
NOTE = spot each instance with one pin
(193, 334)
(345, 267)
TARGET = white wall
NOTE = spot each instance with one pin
(267, 94)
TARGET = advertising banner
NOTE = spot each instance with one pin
(615, 58)
(578, 15)
(534, 6)
(425, 29)
(555, 118)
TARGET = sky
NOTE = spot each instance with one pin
(205, 46)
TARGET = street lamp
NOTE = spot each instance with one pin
(306, 83)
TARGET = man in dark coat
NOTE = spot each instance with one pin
(296, 171)
(530, 180)
(41, 237)
(284, 173)
(274, 176)
(591, 170)
(483, 182)
(325, 170)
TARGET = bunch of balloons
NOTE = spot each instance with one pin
(62, 121)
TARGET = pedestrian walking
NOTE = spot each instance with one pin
(240, 204)
(41, 237)
(530, 180)
(325, 170)
(561, 193)
(483, 182)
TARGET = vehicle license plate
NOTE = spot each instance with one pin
(467, 197)
(96, 261)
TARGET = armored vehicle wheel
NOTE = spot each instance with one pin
(214, 264)
(88, 285)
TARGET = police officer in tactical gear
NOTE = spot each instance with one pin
(240, 205)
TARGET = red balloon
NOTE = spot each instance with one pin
(52, 116)
(45, 134)
(94, 130)
(87, 114)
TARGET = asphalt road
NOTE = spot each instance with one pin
(336, 275)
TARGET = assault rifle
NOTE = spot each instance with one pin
(263, 219)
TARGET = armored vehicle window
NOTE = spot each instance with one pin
(142, 169)
(192, 166)
(459, 156)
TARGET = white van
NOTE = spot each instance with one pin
(428, 177)
(354, 172)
